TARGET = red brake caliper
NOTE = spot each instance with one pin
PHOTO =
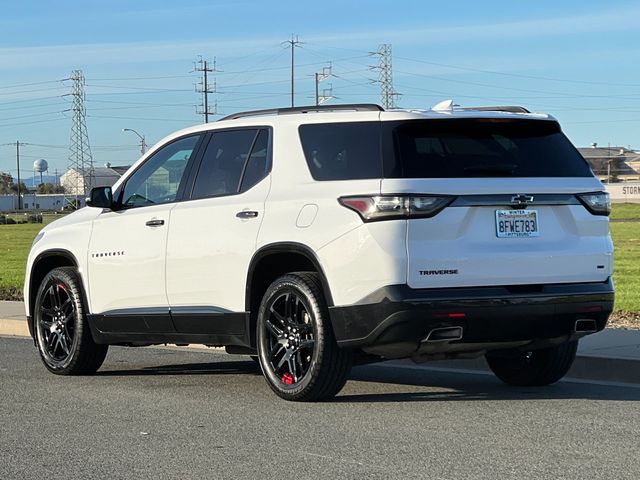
(287, 379)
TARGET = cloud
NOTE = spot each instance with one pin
(69, 56)
(595, 22)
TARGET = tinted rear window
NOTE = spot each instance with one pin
(481, 148)
(342, 151)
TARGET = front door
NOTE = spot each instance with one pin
(127, 250)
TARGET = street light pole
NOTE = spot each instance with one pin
(143, 144)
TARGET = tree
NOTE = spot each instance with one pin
(23, 188)
(7, 185)
(48, 188)
(6, 180)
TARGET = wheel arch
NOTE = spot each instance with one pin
(43, 264)
(272, 261)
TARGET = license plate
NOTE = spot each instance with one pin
(517, 223)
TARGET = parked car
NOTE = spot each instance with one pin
(310, 238)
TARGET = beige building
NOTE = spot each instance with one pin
(74, 183)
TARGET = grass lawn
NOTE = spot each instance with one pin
(626, 269)
(15, 241)
(621, 211)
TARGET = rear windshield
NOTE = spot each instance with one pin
(458, 148)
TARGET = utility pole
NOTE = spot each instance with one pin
(80, 159)
(18, 167)
(293, 43)
(385, 76)
(320, 76)
(203, 66)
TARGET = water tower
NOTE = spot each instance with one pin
(40, 166)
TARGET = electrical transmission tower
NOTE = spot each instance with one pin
(205, 88)
(385, 76)
(327, 93)
(80, 159)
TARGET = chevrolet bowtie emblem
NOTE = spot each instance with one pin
(521, 199)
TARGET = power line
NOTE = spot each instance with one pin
(30, 84)
(142, 118)
(518, 75)
(138, 78)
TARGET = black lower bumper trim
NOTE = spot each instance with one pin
(399, 317)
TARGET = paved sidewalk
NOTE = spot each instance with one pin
(610, 355)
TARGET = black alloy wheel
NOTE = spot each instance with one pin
(57, 323)
(62, 334)
(297, 350)
(291, 338)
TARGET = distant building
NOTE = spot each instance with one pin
(74, 184)
(613, 163)
(31, 201)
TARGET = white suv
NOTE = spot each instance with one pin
(313, 237)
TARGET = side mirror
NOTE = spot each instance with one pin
(101, 197)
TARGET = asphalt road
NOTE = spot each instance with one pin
(168, 413)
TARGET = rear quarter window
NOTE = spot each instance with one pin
(342, 151)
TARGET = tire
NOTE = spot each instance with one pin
(298, 353)
(61, 332)
(535, 368)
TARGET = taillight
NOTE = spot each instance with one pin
(598, 203)
(389, 207)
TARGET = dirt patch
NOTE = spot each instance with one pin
(11, 294)
(624, 320)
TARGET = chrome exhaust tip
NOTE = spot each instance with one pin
(445, 334)
(585, 325)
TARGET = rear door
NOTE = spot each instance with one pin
(212, 236)
(514, 217)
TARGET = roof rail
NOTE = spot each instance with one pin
(354, 107)
(503, 108)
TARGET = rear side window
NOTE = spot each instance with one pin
(258, 163)
(481, 148)
(223, 163)
(342, 151)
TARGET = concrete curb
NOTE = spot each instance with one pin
(16, 328)
(586, 367)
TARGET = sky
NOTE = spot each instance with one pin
(577, 60)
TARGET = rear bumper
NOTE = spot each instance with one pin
(394, 321)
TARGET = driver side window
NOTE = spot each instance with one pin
(158, 179)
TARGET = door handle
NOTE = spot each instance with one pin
(247, 214)
(154, 223)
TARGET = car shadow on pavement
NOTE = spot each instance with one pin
(210, 368)
(373, 382)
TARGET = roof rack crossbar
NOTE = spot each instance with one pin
(501, 108)
(355, 107)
